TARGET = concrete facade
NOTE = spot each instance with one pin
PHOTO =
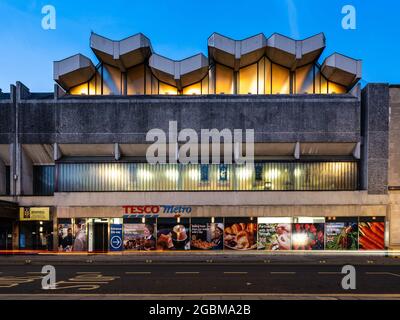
(46, 125)
(394, 166)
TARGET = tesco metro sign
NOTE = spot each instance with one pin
(155, 210)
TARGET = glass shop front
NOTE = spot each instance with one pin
(178, 231)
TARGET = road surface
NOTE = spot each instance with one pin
(199, 280)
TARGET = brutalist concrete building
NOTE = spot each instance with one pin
(74, 174)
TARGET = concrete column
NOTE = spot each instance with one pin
(15, 237)
(24, 173)
(375, 145)
(55, 229)
(2, 178)
(13, 170)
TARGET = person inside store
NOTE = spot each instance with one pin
(60, 236)
(67, 241)
(49, 241)
(80, 236)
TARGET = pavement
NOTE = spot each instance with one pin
(183, 276)
(291, 258)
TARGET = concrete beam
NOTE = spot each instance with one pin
(122, 54)
(179, 73)
(22, 91)
(26, 174)
(357, 151)
(297, 150)
(117, 151)
(341, 69)
(236, 53)
(57, 154)
(3, 178)
(73, 71)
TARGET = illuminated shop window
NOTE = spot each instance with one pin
(223, 172)
(81, 89)
(336, 88)
(248, 80)
(261, 76)
(192, 89)
(211, 80)
(204, 172)
(112, 80)
(149, 81)
(154, 85)
(204, 85)
(135, 80)
(92, 86)
(267, 76)
(263, 176)
(280, 80)
(224, 80)
(305, 79)
(164, 88)
(258, 172)
(324, 85)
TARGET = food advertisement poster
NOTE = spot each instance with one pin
(341, 235)
(207, 236)
(240, 234)
(308, 236)
(371, 235)
(274, 236)
(173, 234)
(139, 236)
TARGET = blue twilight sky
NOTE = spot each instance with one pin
(180, 28)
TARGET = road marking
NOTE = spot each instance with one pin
(12, 281)
(329, 272)
(278, 272)
(187, 272)
(384, 273)
(138, 272)
(235, 272)
(89, 272)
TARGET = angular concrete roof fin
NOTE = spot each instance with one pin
(179, 73)
(292, 53)
(342, 69)
(124, 53)
(236, 53)
(73, 71)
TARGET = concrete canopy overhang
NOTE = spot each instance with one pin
(342, 70)
(179, 73)
(8, 210)
(39, 153)
(5, 154)
(73, 71)
(236, 53)
(327, 149)
(122, 54)
(292, 53)
(86, 150)
(278, 149)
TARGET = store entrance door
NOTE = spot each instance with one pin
(100, 232)
(35, 235)
(5, 235)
